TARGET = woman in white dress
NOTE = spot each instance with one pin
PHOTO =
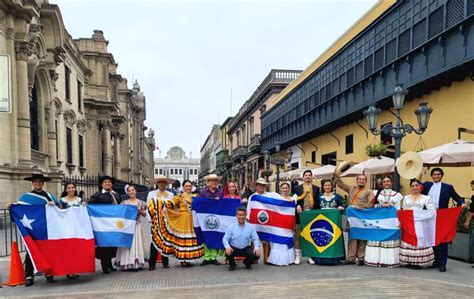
(133, 258)
(416, 257)
(280, 254)
(387, 253)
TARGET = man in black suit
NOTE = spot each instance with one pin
(308, 199)
(440, 193)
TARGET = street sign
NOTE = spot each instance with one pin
(5, 84)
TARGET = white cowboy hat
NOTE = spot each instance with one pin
(343, 167)
(409, 165)
(162, 178)
(262, 181)
(212, 176)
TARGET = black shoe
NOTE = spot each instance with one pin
(106, 271)
(29, 282)
(231, 267)
(50, 279)
(442, 269)
(215, 262)
(166, 265)
(248, 266)
(72, 276)
(113, 269)
(186, 265)
(360, 263)
(205, 263)
(151, 267)
(347, 262)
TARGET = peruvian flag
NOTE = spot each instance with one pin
(59, 241)
(427, 228)
(274, 218)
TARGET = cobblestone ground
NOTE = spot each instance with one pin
(303, 281)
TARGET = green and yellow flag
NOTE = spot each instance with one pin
(321, 234)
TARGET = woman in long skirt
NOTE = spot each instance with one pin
(133, 258)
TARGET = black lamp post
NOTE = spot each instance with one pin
(278, 162)
(242, 171)
(400, 129)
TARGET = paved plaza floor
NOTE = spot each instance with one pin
(263, 281)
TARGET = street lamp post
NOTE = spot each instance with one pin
(278, 162)
(400, 129)
(242, 171)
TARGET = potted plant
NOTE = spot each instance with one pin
(462, 247)
(375, 150)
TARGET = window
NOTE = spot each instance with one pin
(156, 171)
(34, 123)
(329, 159)
(81, 151)
(349, 144)
(79, 95)
(171, 171)
(180, 171)
(69, 145)
(67, 83)
(57, 141)
(161, 171)
(313, 156)
(385, 138)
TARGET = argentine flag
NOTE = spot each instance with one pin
(113, 225)
(212, 217)
(380, 224)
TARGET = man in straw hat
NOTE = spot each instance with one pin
(213, 192)
(360, 197)
(155, 211)
(106, 196)
(307, 199)
(37, 196)
(440, 193)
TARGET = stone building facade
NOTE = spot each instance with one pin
(70, 112)
(177, 166)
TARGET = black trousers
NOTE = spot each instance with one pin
(154, 255)
(29, 269)
(105, 255)
(250, 257)
(441, 254)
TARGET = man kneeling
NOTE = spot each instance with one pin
(237, 240)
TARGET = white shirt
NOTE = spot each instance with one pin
(434, 193)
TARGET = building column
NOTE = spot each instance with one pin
(51, 116)
(107, 150)
(22, 96)
(117, 166)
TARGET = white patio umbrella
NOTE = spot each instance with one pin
(324, 172)
(376, 165)
(457, 153)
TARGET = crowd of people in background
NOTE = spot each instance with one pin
(164, 223)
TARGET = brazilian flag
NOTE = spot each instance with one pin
(321, 233)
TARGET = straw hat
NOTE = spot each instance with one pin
(162, 178)
(212, 176)
(262, 181)
(343, 167)
(409, 165)
(37, 176)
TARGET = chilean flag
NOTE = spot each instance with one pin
(59, 242)
(274, 218)
(427, 228)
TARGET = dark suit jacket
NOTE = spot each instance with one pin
(447, 192)
(298, 191)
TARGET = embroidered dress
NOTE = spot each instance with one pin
(280, 254)
(133, 258)
(179, 229)
(77, 202)
(156, 210)
(384, 254)
(329, 203)
(415, 255)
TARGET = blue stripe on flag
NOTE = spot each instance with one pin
(273, 201)
(276, 239)
(371, 234)
(113, 239)
(372, 214)
(212, 239)
(223, 206)
(113, 211)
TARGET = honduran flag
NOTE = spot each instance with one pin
(274, 218)
(427, 228)
(212, 217)
(379, 224)
(113, 225)
(59, 242)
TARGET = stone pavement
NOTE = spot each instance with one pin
(303, 281)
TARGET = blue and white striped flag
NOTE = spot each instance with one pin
(379, 224)
(113, 225)
(211, 218)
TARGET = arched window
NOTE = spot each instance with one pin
(34, 124)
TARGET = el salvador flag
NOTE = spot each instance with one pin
(211, 218)
(113, 225)
(379, 224)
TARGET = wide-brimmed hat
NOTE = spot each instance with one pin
(262, 181)
(162, 178)
(106, 177)
(409, 165)
(343, 167)
(212, 176)
(37, 176)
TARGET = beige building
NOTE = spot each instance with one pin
(65, 109)
(177, 166)
(211, 145)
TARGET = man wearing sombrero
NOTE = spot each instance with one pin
(37, 196)
(211, 191)
(155, 212)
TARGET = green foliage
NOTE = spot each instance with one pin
(462, 218)
(375, 150)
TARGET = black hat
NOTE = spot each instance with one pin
(37, 176)
(106, 177)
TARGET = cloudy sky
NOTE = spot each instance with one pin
(199, 61)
